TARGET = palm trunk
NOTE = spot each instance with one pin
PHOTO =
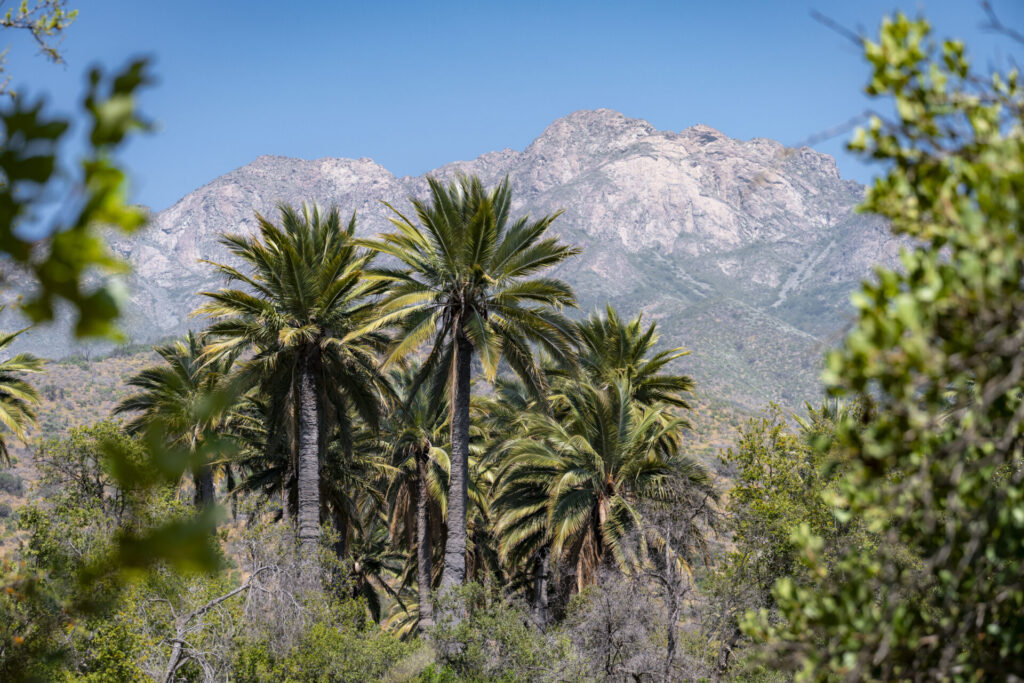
(540, 586)
(203, 478)
(423, 550)
(673, 596)
(455, 546)
(341, 547)
(229, 476)
(309, 461)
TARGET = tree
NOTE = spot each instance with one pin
(783, 481)
(17, 397)
(468, 284)
(588, 470)
(414, 431)
(72, 246)
(172, 394)
(303, 312)
(61, 593)
(941, 336)
(610, 349)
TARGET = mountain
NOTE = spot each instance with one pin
(744, 251)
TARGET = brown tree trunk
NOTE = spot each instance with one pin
(723, 655)
(540, 586)
(229, 477)
(308, 460)
(423, 549)
(203, 478)
(455, 546)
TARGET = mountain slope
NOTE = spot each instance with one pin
(745, 251)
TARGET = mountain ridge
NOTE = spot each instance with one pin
(745, 251)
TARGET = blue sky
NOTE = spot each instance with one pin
(414, 85)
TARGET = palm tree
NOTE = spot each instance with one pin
(610, 349)
(300, 311)
(577, 480)
(470, 286)
(173, 395)
(17, 397)
(415, 432)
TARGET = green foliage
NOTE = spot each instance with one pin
(60, 601)
(784, 482)
(29, 168)
(341, 644)
(107, 651)
(497, 641)
(936, 468)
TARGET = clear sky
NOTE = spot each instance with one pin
(414, 85)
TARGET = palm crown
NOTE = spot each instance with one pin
(470, 270)
(610, 346)
(305, 295)
(170, 392)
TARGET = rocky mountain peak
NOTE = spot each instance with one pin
(590, 130)
(703, 134)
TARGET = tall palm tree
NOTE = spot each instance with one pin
(18, 398)
(577, 480)
(173, 394)
(302, 310)
(468, 285)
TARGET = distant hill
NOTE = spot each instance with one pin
(744, 251)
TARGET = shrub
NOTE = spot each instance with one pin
(11, 483)
(497, 641)
(339, 645)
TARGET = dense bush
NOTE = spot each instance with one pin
(11, 483)
(496, 640)
(341, 644)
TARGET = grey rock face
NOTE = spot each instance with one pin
(745, 251)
